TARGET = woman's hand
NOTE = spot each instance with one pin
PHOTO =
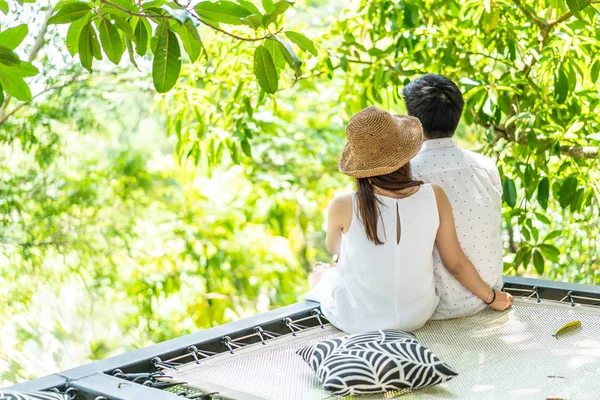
(503, 301)
(318, 272)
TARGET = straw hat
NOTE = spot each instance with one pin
(379, 143)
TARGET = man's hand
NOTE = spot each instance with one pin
(503, 301)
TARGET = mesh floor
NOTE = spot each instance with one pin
(509, 355)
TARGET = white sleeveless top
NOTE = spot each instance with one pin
(390, 286)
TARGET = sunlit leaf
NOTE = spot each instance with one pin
(141, 38)
(249, 6)
(13, 37)
(574, 7)
(8, 57)
(85, 47)
(268, 6)
(551, 252)
(70, 12)
(304, 43)
(167, 62)
(254, 21)
(567, 326)
(264, 70)
(111, 41)
(223, 11)
(290, 56)
(190, 38)
(278, 8)
(13, 84)
(276, 53)
(74, 33)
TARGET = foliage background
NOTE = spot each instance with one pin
(128, 217)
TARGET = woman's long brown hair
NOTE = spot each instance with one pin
(368, 203)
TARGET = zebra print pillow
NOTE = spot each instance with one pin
(315, 354)
(13, 395)
(375, 362)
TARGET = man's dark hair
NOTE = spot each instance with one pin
(437, 102)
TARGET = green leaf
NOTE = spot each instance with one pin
(538, 262)
(290, 57)
(509, 194)
(96, 50)
(595, 70)
(264, 70)
(304, 43)
(26, 69)
(192, 44)
(70, 12)
(129, 46)
(181, 16)
(551, 252)
(74, 33)
(85, 47)
(111, 41)
(543, 218)
(254, 21)
(167, 62)
(123, 25)
(246, 148)
(553, 235)
(543, 193)
(141, 38)
(14, 84)
(567, 326)
(567, 191)
(276, 53)
(268, 6)
(249, 6)
(574, 7)
(278, 8)
(222, 11)
(126, 4)
(12, 37)
(561, 85)
(577, 201)
(1, 95)
(8, 57)
(4, 6)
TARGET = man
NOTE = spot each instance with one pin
(472, 184)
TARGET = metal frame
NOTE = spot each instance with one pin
(95, 379)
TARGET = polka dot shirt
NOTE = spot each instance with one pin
(473, 186)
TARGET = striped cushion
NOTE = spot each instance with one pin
(375, 362)
(14, 395)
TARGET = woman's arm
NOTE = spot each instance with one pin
(455, 260)
(339, 218)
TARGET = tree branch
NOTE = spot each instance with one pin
(579, 151)
(48, 89)
(589, 152)
(159, 16)
(530, 15)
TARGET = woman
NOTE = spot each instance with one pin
(385, 232)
